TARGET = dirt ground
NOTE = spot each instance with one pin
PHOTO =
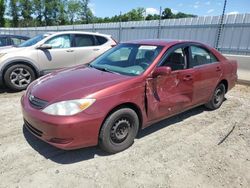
(182, 151)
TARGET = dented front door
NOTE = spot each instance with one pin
(168, 95)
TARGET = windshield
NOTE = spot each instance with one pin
(33, 40)
(127, 59)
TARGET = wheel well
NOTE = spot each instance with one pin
(225, 84)
(20, 62)
(126, 105)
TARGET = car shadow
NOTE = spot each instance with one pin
(58, 155)
(171, 121)
(74, 156)
(4, 89)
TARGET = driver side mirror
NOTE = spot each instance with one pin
(44, 47)
(162, 71)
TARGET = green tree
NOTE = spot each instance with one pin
(2, 11)
(167, 13)
(73, 10)
(61, 12)
(152, 17)
(86, 13)
(26, 12)
(107, 19)
(14, 12)
(62, 17)
(136, 14)
(183, 15)
(55, 11)
(133, 15)
(48, 12)
(38, 11)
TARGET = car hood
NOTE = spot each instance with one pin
(12, 49)
(5, 47)
(74, 83)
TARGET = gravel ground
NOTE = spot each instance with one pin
(183, 151)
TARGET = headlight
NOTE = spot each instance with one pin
(67, 108)
(2, 54)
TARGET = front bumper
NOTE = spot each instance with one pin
(68, 132)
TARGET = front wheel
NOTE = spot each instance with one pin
(18, 77)
(119, 130)
(218, 97)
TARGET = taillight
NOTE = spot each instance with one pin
(114, 40)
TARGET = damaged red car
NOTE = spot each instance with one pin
(128, 88)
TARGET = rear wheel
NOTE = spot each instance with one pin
(18, 77)
(218, 97)
(119, 130)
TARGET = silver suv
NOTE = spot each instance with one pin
(19, 66)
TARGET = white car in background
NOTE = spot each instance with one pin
(20, 65)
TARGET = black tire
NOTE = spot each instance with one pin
(218, 97)
(119, 130)
(18, 77)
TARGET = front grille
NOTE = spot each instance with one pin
(36, 102)
(33, 129)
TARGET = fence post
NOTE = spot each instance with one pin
(220, 25)
(120, 28)
(159, 26)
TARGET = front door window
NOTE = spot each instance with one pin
(62, 41)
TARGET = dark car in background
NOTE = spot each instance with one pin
(11, 40)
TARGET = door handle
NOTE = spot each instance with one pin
(218, 69)
(69, 50)
(187, 77)
(96, 49)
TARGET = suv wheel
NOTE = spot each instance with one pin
(18, 77)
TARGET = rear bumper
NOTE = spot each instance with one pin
(233, 79)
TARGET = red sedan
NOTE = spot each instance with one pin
(128, 88)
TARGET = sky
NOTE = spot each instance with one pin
(108, 8)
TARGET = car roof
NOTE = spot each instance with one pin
(168, 43)
(160, 42)
(77, 32)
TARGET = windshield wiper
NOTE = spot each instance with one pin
(100, 68)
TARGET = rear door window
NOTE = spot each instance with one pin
(84, 40)
(200, 56)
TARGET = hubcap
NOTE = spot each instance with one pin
(218, 96)
(20, 77)
(120, 130)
